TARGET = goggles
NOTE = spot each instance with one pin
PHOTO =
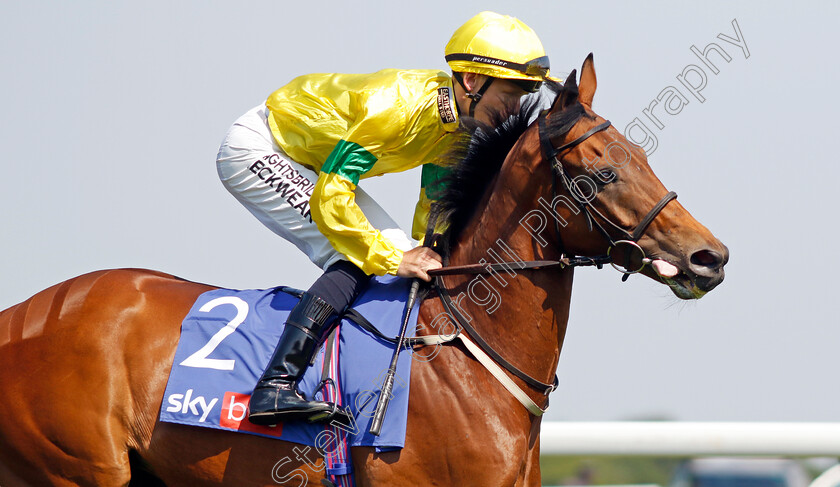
(536, 67)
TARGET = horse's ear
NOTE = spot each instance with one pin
(569, 94)
(570, 86)
(588, 81)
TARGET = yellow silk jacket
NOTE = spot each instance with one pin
(349, 127)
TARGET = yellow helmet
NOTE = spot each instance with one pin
(499, 46)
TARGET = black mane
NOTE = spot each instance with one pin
(476, 158)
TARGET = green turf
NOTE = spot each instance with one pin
(602, 470)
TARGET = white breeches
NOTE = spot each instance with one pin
(276, 189)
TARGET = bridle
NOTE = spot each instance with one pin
(554, 156)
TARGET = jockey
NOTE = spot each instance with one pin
(295, 163)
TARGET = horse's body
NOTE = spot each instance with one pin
(84, 364)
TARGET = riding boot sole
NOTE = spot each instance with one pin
(268, 418)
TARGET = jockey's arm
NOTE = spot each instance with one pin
(343, 223)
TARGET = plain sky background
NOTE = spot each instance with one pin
(111, 114)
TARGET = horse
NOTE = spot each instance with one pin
(84, 364)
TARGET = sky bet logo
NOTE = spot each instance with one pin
(187, 404)
(233, 416)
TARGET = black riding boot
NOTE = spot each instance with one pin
(275, 398)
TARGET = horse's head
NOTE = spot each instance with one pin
(607, 199)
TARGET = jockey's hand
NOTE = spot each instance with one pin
(417, 261)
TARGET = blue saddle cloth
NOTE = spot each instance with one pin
(227, 340)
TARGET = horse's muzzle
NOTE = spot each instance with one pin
(705, 268)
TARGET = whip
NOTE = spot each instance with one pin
(388, 384)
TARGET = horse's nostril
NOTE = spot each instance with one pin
(707, 258)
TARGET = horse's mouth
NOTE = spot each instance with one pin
(681, 283)
(684, 287)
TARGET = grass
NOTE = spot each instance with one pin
(607, 470)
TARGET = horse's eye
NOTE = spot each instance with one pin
(606, 176)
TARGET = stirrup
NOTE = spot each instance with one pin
(343, 417)
(335, 415)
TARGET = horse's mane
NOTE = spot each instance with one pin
(477, 156)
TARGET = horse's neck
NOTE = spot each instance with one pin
(521, 313)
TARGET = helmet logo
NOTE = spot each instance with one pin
(538, 67)
(487, 60)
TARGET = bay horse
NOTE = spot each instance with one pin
(84, 364)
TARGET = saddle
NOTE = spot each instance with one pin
(227, 339)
